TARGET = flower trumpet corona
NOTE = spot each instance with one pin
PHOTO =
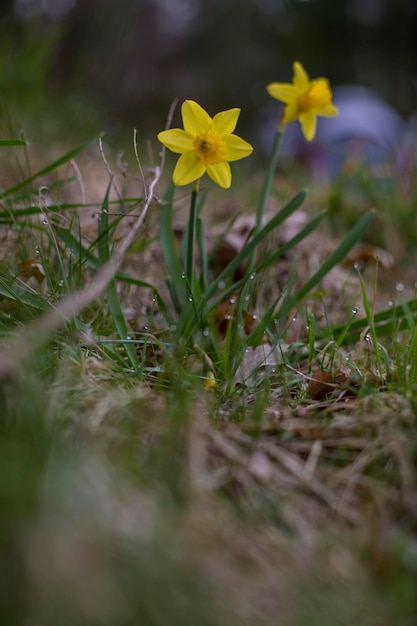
(206, 145)
(304, 99)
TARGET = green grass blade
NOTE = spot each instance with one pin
(338, 255)
(12, 142)
(104, 252)
(21, 295)
(59, 207)
(85, 256)
(311, 226)
(177, 284)
(50, 168)
(251, 245)
(370, 318)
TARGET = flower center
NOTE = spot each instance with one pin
(317, 96)
(210, 147)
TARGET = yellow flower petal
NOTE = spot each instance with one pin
(225, 122)
(304, 100)
(285, 92)
(188, 169)
(176, 140)
(237, 148)
(329, 111)
(291, 113)
(308, 124)
(220, 173)
(195, 118)
(301, 80)
(205, 145)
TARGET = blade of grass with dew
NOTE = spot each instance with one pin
(21, 295)
(50, 168)
(203, 253)
(230, 269)
(85, 256)
(302, 234)
(267, 262)
(176, 282)
(58, 208)
(268, 320)
(113, 300)
(200, 198)
(371, 323)
(311, 226)
(336, 257)
(410, 366)
(340, 339)
(393, 317)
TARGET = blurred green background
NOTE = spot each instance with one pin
(100, 65)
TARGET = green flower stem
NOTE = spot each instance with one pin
(265, 193)
(268, 180)
(192, 228)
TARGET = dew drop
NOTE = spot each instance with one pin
(183, 275)
(206, 332)
(252, 276)
(190, 298)
(355, 310)
(221, 284)
(390, 303)
(399, 287)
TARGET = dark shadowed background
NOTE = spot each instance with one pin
(112, 64)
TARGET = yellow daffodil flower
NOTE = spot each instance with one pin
(205, 145)
(304, 100)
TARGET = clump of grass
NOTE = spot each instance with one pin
(165, 455)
